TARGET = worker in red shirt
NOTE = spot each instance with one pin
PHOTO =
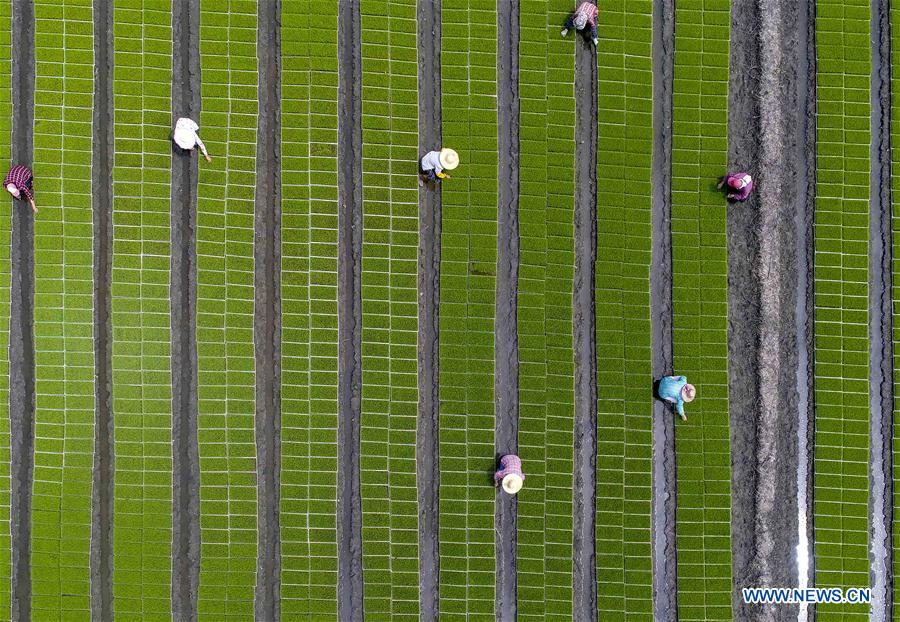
(584, 19)
(19, 181)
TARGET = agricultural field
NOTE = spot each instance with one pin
(277, 385)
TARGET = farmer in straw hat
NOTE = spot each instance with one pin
(434, 163)
(585, 16)
(185, 136)
(510, 474)
(676, 390)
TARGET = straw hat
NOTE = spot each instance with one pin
(688, 393)
(512, 483)
(449, 159)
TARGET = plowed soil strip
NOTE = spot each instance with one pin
(183, 288)
(21, 319)
(429, 284)
(350, 580)
(267, 312)
(664, 492)
(506, 353)
(585, 336)
(881, 351)
(102, 199)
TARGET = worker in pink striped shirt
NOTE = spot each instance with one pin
(584, 19)
(19, 182)
(739, 185)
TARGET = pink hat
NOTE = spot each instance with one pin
(738, 181)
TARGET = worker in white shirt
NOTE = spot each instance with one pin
(186, 137)
(434, 163)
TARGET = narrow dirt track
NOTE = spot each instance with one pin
(881, 350)
(665, 587)
(506, 348)
(349, 520)
(428, 473)
(584, 333)
(102, 202)
(267, 313)
(804, 310)
(764, 126)
(183, 288)
(21, 319)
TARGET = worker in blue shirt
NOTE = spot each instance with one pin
(676, 390)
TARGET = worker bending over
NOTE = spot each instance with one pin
(584, 16)
(20, 181)
(739, 184)
(434, 163)
(186, 136)
(676, 390)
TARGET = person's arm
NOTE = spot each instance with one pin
(202, 147)
(30, 196)
(679, 408)
(594, 33)
(570, 23)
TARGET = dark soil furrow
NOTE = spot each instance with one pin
(506, 348)
(183, 322)
(764, 126)
(743, 297)
(584, 332)
(349, 524)
(881, 351)
(101, 198)
(21, 318)
(429, 281)
(804, 308)
(267, 312)
(665, 588)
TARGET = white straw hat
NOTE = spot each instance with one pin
(512, 483)
(688, 393)
(449, 159)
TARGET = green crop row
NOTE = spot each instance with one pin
(309, 337)
(699, 152)
(469, 112)
(843, 132)
(64, 363)
(533, 190)
(143, 414)
(223, 205)
(623, 475)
